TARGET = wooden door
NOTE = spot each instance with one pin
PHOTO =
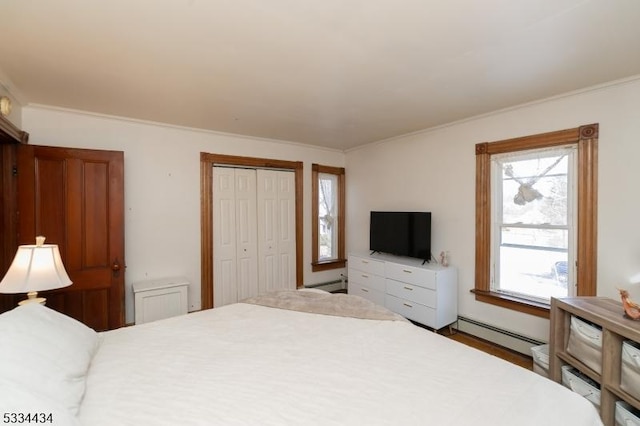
(75, 198)
(10, 137)
(8, 232)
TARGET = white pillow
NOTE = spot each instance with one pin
(45, 353)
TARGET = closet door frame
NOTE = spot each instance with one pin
(207, 161)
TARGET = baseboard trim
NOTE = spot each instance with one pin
(505, 338)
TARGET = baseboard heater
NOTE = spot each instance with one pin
(504, 338)
(333, 285)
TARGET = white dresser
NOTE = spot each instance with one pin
(427, 294)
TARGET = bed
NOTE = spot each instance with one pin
(291, 358)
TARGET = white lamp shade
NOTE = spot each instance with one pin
(35, 268)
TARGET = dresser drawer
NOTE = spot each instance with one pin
(371, 266)
(411, 274)
(411, 292)
(411, 310)
(366, 279)
(373, 295)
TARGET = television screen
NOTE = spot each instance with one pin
(401, 233)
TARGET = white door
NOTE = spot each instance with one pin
(287, 230)
(224, 241)
(276, 230)
(254, 233)
(246, 233)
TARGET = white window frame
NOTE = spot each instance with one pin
(333, 214)
(497, 215)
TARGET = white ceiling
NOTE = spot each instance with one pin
(335, 73)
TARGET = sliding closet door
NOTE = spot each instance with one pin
(235, 235)
(254, 248)
(287, 230)
(276, 230)
(246, 233)
(224, 242)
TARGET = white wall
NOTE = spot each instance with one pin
(435, 171)
(432, 170)
(162, 186)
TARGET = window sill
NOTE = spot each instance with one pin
(328, 264)
(515, 303)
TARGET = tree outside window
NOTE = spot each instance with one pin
(534, 215)
(536, 219)
(328, 217)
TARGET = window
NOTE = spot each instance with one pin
(328, 217)
(536, 219)
(532, 240)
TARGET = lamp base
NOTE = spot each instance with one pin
(32, 297)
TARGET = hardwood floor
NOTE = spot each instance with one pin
(493, 349)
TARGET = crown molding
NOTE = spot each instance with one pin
(10, 133)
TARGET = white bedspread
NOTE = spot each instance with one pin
(246, 364)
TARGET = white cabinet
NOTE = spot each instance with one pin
(160, 298)
(427, 294)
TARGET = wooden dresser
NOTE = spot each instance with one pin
(616, 329)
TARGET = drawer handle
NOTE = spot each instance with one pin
(365, 276)
(408, 288)
(407, 271)
(365, 290)
(364, 261)
(408, 305)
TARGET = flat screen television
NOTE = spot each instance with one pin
(401, 233)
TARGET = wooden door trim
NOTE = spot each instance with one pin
(207, 161)
(10, 137)
(10, 133)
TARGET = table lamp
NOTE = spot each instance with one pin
(35, 268)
